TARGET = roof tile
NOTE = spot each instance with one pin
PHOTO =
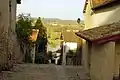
(100, 32)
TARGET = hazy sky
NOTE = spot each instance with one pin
(63, 9)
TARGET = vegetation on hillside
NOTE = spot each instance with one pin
(55, 27)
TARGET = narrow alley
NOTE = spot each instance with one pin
(44, 72)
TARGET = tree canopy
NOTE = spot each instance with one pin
(23, 27)
(42, 36)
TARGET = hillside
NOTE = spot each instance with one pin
(58, 21)
(56, 26)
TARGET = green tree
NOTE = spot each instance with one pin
(42, 36)
(24, 27)
(41, 42)
(42, 29)
(23, 30)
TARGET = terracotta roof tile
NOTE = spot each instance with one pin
(100, 32)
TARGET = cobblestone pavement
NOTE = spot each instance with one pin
(43, 72)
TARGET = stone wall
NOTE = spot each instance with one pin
(4, 24)
(12, 34)
(9, 46)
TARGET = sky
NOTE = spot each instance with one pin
(62, 9)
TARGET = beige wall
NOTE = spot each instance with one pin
(13, 14)
(12, 34)
(4, 14)
(117, 59)
(8, 42)
(102, 61)
(99, 54)
(87, 17)
(101, 17)
(85, 56)
(106, 16)
(4, 24)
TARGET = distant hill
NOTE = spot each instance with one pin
(59, 21)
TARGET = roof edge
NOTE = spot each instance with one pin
(101, 40)
(105, 4)
(78, 34)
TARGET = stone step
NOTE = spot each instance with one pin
(82, 76)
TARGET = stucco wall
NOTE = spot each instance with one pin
(106, 16)
(117, 59)
(4, 24)
(102, 61)
(88, 17)
(4, 14)
(12, 34)
(9, 46)
(85, 56)
(13, 14)
(100, 53)
(101, 17)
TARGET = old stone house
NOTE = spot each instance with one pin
(9, 46)
(101, 37)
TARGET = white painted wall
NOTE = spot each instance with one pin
(68, 46)
(71, 45)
